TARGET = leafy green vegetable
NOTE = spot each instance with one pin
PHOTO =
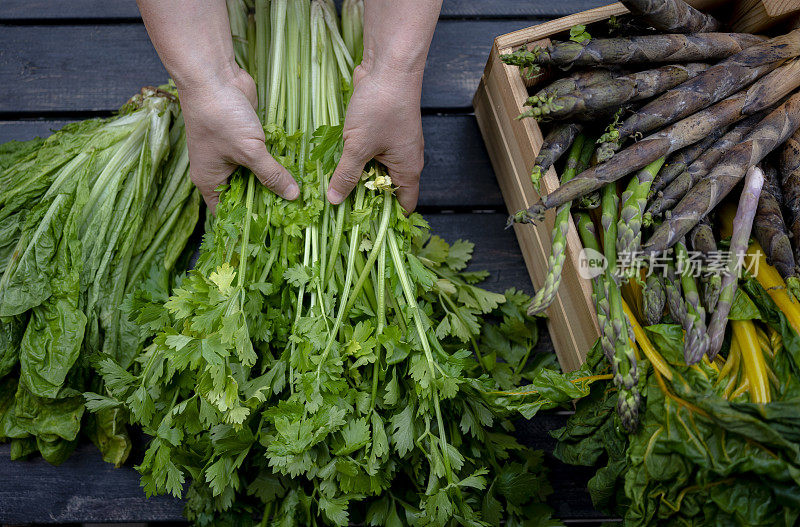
(328, 365)
(703, 455)
(83, 224)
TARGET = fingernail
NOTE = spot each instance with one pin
(334, 196)
(293, 192)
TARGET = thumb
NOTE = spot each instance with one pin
(347, 172)
(271, 173)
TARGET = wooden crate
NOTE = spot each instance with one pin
(513, 146)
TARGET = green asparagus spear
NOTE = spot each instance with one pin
(589, 238)
(653, 299)
(555, 144)
(646, 49)
(624, 366)
(674, 16)
(767, 135)
(742, 225)
(678, 188)
(580, 153)
(672, 289)
(711, 86)
(682, 159)
(616, 92)
(634, 200)
(695, 340)
(771, 232)
(761, 95)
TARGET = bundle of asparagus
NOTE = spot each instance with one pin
(682, 132)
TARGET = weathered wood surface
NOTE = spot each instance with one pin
(18, 10)
(80, 68)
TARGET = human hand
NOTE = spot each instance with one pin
(223, 132)
(384, 122)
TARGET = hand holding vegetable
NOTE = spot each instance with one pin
(218, 98)
(383, 117)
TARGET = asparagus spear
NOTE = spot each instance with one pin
(580, 153)
(767, 135)
(634, 200)
(675, 16)
(626, 374)
(742, 225)
(695, 341)
(682, 159)
(555, 144)
(653, 299)
(589, 238)
(789, 168)
(762, 94)
(771, 232)
(713, 85)
(575, 81)
(645, 49)
(702, 240)
(701, 166)
(616, 92)
(672, 289)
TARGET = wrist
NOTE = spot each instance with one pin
(202, 75)
(401, 72)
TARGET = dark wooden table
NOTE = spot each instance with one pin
(65, 61)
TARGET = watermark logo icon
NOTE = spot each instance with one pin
(591, 263)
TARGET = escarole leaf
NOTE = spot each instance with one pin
(76, 237)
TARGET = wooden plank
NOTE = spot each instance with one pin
(457, 172)
(75, 68)
(28, 129)
(83, 489)
(496, 249)
(97, 67)
(457, 169)
(14, 10)
(452, 74)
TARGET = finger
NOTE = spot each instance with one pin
(408, 195)
(405, 176)
(204, 183)
(271, 173)
(347, 172)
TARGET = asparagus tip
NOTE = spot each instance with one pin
(606, 150)
(532, 215)
(628, 409)
(793, 285)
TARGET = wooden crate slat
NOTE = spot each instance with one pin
(752, 16)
